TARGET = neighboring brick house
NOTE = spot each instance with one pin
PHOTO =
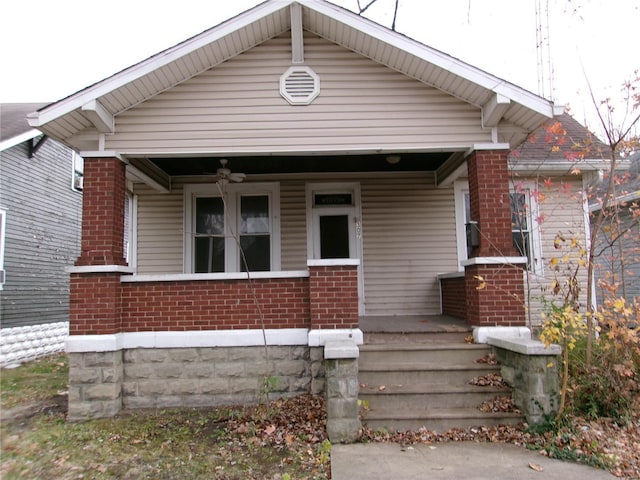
(352, 140)
(40, 220)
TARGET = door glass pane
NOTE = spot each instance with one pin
(254, 214)
(209, 254)
(334, 236)
(209, 216)
(257, 252)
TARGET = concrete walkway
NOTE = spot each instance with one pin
(465, 460)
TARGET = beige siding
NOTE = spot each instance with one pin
(236, 107)
(409, 238)
(562, 212)
(160, 231)
(293, 226)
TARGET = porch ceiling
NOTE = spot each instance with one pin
(409, 162)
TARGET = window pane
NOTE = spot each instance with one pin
(334, 236)
(467, 208)
(256, 250)
(254, 214)
(209, 254)
(518, 212)
(209, 216)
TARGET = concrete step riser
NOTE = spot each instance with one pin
(416, 401)
(376, 379)
(438, 425)
(444, 357)
(427, 338)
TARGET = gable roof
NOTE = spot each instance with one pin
(14, 128)
(97, 104)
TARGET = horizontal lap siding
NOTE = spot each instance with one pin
(562, 212)
(293, 226)
(408, 229)
(42, 234)
(236, 106)
(160, 231)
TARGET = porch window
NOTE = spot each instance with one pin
(524, 230)
(235, 234)
(77, 179)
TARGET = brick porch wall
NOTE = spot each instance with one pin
(501, 301)
(454, 297)
(215, 305)
(333, 293)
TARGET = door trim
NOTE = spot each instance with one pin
(355, 210)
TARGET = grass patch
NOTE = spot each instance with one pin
(259, 442)
(34, 381)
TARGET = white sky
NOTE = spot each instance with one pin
(50, 49)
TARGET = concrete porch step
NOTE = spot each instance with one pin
(420, 396)
(437, 419)
(422, 373)
(441, 352)
(377, 338)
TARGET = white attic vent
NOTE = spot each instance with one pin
(299, 85)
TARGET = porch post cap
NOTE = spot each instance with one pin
(336, 349)
(334, 262)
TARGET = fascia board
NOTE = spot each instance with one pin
(153, 63)
(18, 139)
(437, 58)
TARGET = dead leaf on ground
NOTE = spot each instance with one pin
(536, 467)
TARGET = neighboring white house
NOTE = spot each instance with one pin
(40, 221)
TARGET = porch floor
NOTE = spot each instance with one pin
(413, 324)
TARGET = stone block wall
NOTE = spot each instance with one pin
(535, 382)
(103, 383)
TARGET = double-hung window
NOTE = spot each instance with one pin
(236, 233)
(524, 231)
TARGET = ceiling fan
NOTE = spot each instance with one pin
(224, 174)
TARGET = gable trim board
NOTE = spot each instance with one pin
(167, 69)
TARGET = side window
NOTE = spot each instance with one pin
(523, 229)
(77, 179)
(521, 226)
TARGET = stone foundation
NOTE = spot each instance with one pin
(103, 383)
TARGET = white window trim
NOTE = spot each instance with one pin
(462, 186)
(232, 193)
(74, 158)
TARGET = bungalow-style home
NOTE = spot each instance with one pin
(291, 174)
(618, 254)
(40, 220)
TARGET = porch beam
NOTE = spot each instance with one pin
(144, 171)
(297, 37)
(452, 169)
(99, 116)
(494, 110)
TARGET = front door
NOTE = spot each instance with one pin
(335, 225)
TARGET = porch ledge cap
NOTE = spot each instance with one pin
(444, 276)
(525, 346)
(482, 334)
(319, 338)
(341, 349)
(185, 277)
(334, 262)
(493, 261)
(100, 269)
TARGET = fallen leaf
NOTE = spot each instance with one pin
(382, 388)
(536, 467)
(270, 429)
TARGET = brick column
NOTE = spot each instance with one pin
(95, 376)
(500, 300)
(333, 294)
(103, 200)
